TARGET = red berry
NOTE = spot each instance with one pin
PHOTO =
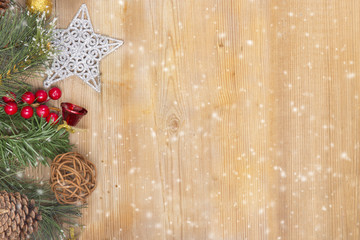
(10, 108)
(27, 112)
(28, 97)
(41, 96)
(52, 118)
(55, 93)
(42, 111)
(10, 97)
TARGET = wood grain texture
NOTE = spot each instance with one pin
(223, 119)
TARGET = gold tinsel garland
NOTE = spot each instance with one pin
(40, 6)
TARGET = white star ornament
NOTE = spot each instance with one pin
(80, 51)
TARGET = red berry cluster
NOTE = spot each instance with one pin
(41, 96)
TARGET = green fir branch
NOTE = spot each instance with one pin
(54, 215)
(25, 49)
(27, 142)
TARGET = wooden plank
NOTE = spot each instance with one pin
(314, 61)
(222, 119)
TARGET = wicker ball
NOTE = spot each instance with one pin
(73, 178)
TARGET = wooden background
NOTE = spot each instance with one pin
(223, 119)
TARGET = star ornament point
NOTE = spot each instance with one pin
(80, 51)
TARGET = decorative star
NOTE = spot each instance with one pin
(80, 51)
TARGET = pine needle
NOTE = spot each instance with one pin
(28, 142)
(54, 215)
(25, 49)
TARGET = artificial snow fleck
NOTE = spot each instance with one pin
(282, 172)
(153, 133)
(350, 75)
(250, 42)
(216, 116)
(211, 235)
(303, 178)
(132, 170)
(345, 156)
(261, 211)
(222, 35)
(309, 65)
(20, 174)
(40, 191)
(149, 215)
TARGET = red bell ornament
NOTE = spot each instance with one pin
(72, 113)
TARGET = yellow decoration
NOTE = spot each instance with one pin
(40, 6)
(72, 234)
(69, 128)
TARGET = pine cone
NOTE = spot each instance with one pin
(19, 217)
(4, 4)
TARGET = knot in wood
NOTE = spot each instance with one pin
(173, 124)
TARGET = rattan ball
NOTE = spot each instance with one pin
(73, 178)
